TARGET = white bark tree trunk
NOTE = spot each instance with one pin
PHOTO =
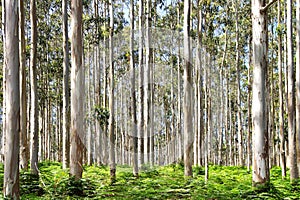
(77, 91)
(260, 171)
(12, 101)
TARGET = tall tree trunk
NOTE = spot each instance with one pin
(3, 82)
(141, 82)
(298, 83)
(152, 21)
(200, 124)
(271, 116)
(112, 162)
(239, 114)
(23, 97)
(98, 84)
(66, 88)
(249, 107)
(89, 105)
(147, 83)
(285, 69)
(33, 91)
(281, 103)
(179, 124)
(227, 126)
(187, 86)
(207, 122)
(133, 95)
(220, 139)
(12, 100)
(77, 89)
(291, 96)
(260, 171)
(102, 140)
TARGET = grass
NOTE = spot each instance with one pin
(153, 183)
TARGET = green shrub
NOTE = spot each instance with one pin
(29, 184)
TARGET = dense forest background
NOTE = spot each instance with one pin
(151, 83)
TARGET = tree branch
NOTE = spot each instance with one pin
(265, 8)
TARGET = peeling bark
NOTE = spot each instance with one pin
(260, 171)
(77, 91)
(12, 102)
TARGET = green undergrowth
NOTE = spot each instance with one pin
(166, 182)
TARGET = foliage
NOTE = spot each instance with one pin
(154, 183)
(101, 114)
(30, 184)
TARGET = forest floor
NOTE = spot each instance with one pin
(153, 183)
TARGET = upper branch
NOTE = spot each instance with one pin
(265, 8)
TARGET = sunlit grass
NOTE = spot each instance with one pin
(166, 182)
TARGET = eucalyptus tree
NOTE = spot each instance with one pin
(23, 96)
(249, 89)
(11, 188)
(291, 96)
(260, 170)
(133, 94)
(179, 91)
(141, 82)
(77, 89)
(112, 159)
(105, 86)
(34, 126)
(146, 84)
(187, 86)
(199, 135)
(238, 79)
(298, 83)
(281, 104)
(3, 82)
(66, 87)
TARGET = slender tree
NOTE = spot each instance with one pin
(4, 103)
(133, 95)
(23, 99)
(179, 84)
(34, 127)
(238, 72)
(146, 85)
(291, 96)
(260, 170)
(12, 101)
(66, 87)
(112, 161)
(249, 107)
(77, 89)
(199, 87)
(187, 86)
(281, 104)
(141, 82)
(298, 83)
